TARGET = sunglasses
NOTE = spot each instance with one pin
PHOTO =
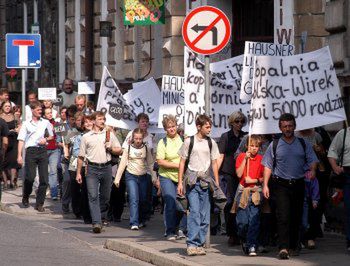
(239, 121)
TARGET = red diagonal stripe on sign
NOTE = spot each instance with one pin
(23, 42)
(200, 36)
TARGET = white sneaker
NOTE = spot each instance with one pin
(134, 227)
(252, 251)
(311, 244)
(180, 235)
(172, 238)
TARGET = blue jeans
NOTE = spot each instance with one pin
(248, 223)
(99, 183)
(346, 192)
(181, 217)
(136, 187)
(169, 191)
(53, 156)
(199, 217)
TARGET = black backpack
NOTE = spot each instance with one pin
(190, 148)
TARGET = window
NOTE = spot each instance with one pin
(252, 21)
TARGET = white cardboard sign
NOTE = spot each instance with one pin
(172, 98)
(47, 93)
(259, 48)
(145, 98)
(305, 85)
(87, 87)
(225, 81)
(110, 98)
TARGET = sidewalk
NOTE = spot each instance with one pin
(149, 244)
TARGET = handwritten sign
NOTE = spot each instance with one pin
(110, 95)
(87, 87)
(61, 129)
(172, 98)
(305, 85)
(140, 12)
(225, 83)
(119, 113)
(47, 93)
(194, 91)
(258, 48)
(145, 98)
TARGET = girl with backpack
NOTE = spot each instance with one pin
(169, 161)
(137, 159)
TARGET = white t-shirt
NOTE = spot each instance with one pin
(28, 113)
(148, 140)
(201, 157)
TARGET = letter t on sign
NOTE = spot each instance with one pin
(23, 50)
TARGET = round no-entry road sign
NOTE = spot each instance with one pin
(206, 30)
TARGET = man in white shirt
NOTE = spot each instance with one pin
(32, 97)
(33, 136)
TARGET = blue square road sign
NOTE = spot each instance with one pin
(23, 50)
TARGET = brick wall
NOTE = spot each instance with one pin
(309, 16)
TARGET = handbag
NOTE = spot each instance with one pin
(338, 181)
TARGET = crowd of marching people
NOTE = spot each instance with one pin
(259, 190)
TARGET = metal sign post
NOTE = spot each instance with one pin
(23, 94)
(206, 30)
(207, 84)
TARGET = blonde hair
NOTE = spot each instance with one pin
(80, 97)
(235, 116)
(254, 139)
(168, 119)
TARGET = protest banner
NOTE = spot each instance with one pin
(112, 103)
(172, 98)
(305, 85)
(225, 84)
(194, 90)
(259, 48)
(47, 94)
(87, 87)
(145, 98)
(117, 109)
(139, 12)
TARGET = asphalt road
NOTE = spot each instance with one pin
(30, 241)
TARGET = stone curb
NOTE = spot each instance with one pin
(5, 208)
(8, 208)
(146, 254)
